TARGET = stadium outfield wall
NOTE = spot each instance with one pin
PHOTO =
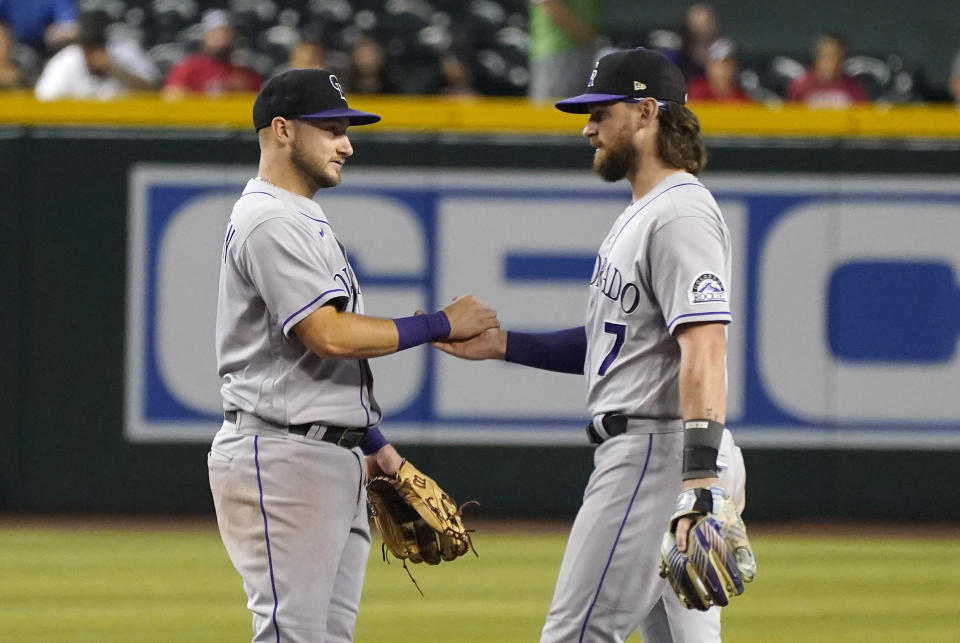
(842, 359)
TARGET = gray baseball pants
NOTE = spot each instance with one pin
(608, 585)
(292, 516)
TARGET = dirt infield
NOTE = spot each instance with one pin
(934, 531)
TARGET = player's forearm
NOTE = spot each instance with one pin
(333, 334)
(703, 389)
(703, 392)
(703, 399)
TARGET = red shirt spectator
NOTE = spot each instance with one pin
(210, 71)
(838, 92)
(201, 73)
(825, 84)
(720, 81)
(699, 89)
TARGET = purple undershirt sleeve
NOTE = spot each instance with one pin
(373, 441)
(562, 351)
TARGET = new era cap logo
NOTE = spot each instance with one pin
(638, 86)
(336, 86)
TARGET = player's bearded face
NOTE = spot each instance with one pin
(614, 159)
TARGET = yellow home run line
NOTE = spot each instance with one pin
(431, 114)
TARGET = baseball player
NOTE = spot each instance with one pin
(300, 432)
(653, 350)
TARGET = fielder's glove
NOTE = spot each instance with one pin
(418, 521)
(718, 559)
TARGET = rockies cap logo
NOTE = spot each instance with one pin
(336, 86)
(593, 77)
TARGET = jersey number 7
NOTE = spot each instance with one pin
(619, 331)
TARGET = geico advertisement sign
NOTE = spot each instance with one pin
(844, 297)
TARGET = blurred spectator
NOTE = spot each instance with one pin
(368, 69)
(45, 25)
(954, 85)
(697, 34)
(12, 75)
(456, 75)
(211, 71)
(94, 67)
(312, 52)
(308, 55)
(825, 84)
(563, 49)
(720, 82)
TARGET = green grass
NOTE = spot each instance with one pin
(128, 585)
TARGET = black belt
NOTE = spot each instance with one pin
(613, 424)
(347, 437)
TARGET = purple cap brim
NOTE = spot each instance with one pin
(580, 104)
(354, 116)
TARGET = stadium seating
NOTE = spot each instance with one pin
(490, 35)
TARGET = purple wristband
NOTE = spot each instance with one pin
(420, 329)
(372, 441)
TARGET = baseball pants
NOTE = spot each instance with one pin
(292, 516)
(608, 584)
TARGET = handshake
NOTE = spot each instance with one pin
(475, 331)
(468, 317)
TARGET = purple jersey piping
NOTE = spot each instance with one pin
(321, 296)
(715, 312)
(362, 405)
(583, 629)
(266, 534)
(312, 219)
(679, 185)
(226, 246)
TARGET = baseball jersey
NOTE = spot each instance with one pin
(281, 261)
(665, 262)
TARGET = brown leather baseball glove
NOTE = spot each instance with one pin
(418, 521)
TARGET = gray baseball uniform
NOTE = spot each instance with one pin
(665, 262)
(290, 503)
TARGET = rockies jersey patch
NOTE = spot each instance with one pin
(707, 288)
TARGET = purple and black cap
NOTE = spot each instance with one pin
(629, 75)
(305, 93)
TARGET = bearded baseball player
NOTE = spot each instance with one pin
(300, 434)
(653, 350)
